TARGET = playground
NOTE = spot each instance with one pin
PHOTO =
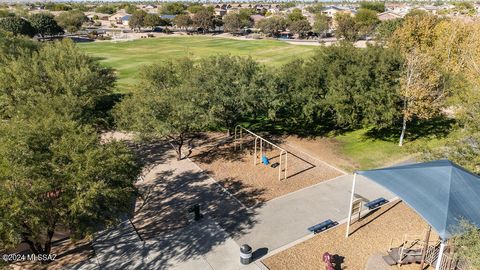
(270, 164)
(370, 238)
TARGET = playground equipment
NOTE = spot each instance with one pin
(426, 252)
(328, 260)
(409, 251)
(259, 143)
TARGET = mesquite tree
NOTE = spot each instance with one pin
(56, 173)
(163, 107)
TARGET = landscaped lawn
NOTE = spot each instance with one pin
(127, 56)
(370, 153)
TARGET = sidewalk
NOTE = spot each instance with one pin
(285, 219)
(213, 243)
(202, 245)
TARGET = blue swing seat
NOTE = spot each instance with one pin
(265, 160)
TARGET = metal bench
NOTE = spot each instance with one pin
(327, 224)
(376, 203)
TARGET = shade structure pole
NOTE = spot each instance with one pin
(351, 204)
(440, 255)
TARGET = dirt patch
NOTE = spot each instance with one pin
(326, 149)
(231, 164)
(372, 235)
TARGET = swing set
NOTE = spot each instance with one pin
(259, 141)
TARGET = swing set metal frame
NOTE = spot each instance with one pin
(239, 135)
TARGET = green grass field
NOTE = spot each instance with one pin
(370, 153)
(127, 56)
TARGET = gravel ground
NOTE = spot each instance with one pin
(370, 236)
(228, 166)
(326, 149)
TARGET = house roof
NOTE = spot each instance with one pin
(388, 15)
(168, 16)
(257, 17)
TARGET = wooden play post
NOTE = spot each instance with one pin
(425, 247)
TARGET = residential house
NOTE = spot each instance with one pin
(222, 6)
(429, 9)
(233, 9)
(125, 19)
(330, 11)
(273, 10)
(116, 18)
(399, 8)
(101, 16)
(256, 18)
(168, 16)
(388, 15)
(220, 12)
(150, 8)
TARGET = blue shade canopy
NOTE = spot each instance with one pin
(442, 192)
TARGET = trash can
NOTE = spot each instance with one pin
(245, 254)
(194, 213)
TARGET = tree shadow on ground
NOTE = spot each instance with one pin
(83, 247)
(164, 203)
(438, 127)
(228, 149)
(280, 127)
(170, 236)
(161, 217)
(150, 153)
(371, 213)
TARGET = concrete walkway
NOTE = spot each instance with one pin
(214, 242)
(202, 245)
(285, 219)
(172, 187)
